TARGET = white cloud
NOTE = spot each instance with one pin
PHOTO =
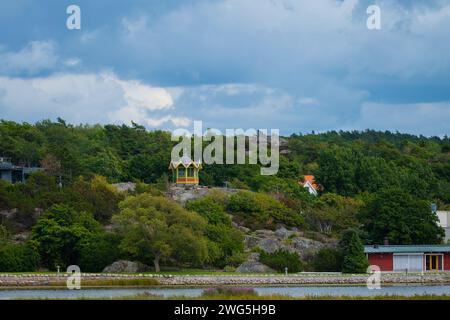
(36, 56)
(176, 121)
(86, 98)
(308, 101)
(132, 26)
(72, 62)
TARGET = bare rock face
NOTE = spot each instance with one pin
(284, 239)
(284, 233)
(126, 266)
(254, 267)
(8, 213)
(183, 195)
(125, 186)
(270, 245)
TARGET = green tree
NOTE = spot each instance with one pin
(99, 251)
(403, 219)
(225, 241)
(59, 233)
(157, 228)
(98, 197)
(18, 258)
(260, 210)
(352, 248)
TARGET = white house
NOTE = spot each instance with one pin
(309, 183)
(444, 222)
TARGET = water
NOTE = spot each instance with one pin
(362, 291)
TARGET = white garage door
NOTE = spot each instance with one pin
(410, 262)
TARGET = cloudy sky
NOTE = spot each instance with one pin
(293, 65)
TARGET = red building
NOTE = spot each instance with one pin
(430, 258)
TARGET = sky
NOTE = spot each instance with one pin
(293, 65)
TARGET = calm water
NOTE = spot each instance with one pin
(400, 290)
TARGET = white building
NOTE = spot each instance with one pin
(444, 222)
(309, 183)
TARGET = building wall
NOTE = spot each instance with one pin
(386, 262)
(447, 235)
(446, 261)
(444, 217)
(6, 175)
(383, 260)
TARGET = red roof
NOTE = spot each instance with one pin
(311, 180)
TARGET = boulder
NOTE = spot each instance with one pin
(264, 233)
(284, 233)
(251, 241)
(270, 245)
(126, 266)
(254, 267)
(254, 256)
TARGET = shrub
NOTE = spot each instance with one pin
(18, 258)
(327, 260)
(229, 292)
(100, 251)
(281, 259)
(260, 210)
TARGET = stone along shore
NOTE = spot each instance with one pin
(31, 280)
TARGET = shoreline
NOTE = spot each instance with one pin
(34, 281)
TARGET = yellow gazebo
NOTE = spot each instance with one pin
(185, 171)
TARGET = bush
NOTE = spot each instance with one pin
(262, 211)
(229, 292)
(100, 251)
(18, 258)
(327, 260)
(226, 243)
(281, 259)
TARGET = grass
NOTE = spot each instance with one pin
(253, 296)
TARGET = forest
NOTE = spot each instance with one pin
(374, 186)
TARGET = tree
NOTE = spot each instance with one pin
(333, 213)
(394, 214)
(18, 257)
(337, 170)
(225, 241)
(99, 251)
(98, 197)
(260, 210)
(157, 228)
(211, 209)
(352, 249)
(59, 233)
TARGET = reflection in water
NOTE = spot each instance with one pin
(195, 292)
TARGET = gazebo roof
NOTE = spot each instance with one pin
(186, 162)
